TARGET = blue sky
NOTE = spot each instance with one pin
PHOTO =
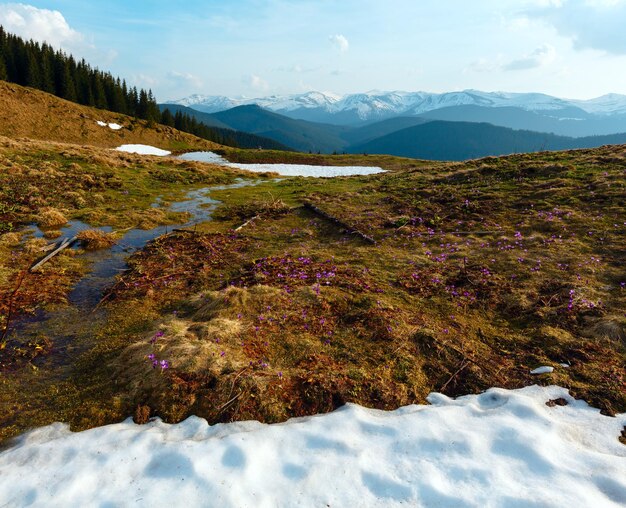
(568, 48)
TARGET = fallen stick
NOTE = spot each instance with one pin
(178, 230)
(65, 243)
(249, 221)
(339, 222)
(464, 364)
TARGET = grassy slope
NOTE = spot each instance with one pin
(483, 270)
(30, 113)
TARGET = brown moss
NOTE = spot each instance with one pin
(50, 218)
(95, 239)
(9, 239)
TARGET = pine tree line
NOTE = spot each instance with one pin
(29, 63)
(39, 66)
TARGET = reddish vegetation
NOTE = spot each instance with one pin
(178, 261)
(290, 272)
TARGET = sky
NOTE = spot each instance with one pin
(567, 48)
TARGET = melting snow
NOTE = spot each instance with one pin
(500, 448)
(542, 370)
(113, 126)
(143, 150)
(285, 169)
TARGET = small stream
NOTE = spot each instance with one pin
(105, 264)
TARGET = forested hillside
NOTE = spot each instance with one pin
(40, 66)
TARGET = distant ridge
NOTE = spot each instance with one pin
(438, 140)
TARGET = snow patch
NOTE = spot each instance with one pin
(285, 169)
(542, 370)
(499, 448)
(112, 126)
(143, 150)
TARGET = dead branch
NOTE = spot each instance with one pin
(339, 222)
(64, 244)
(249, 221)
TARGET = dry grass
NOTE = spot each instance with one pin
(50, 218)
(99, 186)
(269, 208)
(9, 239)
(611, 328)
(95, 239)
(30, 113)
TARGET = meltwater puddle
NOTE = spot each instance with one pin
(285, 169)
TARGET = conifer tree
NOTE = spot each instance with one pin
(3, 68)
(32, 77)
(167, 118)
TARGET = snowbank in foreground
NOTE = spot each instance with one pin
(500, 448)
(143, 150)
(285, 169)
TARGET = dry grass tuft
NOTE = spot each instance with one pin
(35, 246)
(612, 328)
(95, 239)
(52, 233)
(9, 239)
(50, 218)
(234, 300)
(151, 218)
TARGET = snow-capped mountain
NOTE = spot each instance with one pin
(526, 101)
(377, 105)
(292, 102)
(283, 103)
(610, 104)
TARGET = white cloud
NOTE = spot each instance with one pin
(485, 65)
(340, 42)
(41, 25)
(590, 24)
(256, 82)
(144, 81)
(183, 79)
(540, 57)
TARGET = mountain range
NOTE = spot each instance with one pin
(375, 105)
(432, 126)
